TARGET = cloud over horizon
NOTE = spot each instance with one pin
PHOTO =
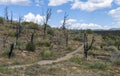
(30, 17)
(15, 2)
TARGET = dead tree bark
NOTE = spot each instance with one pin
(66, 39)
(86, 46)
(11, 17)
(65, 32)
(11, 50)
(18, 30)
(48, 14)
(32, 36)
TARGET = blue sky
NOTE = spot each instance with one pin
(83, 14)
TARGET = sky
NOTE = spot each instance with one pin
(82, 14)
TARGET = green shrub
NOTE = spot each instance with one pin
(44, 43)
(30, 47)
(91, 52)
(46, 54)
(50, 32)
(75, 59)
(69, 48)
(110, 48)
(12, 33)
(116, 63)
(89, 31)
(1, 20)
(98, 65)
(76, 38)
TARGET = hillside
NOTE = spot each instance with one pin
(36, 54)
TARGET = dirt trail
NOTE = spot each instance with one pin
(45, 62)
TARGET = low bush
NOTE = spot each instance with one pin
(98, 65)
(75, 59)
(44, 43)
(1, 20)
(30, 47)
(12, 33)
(116, 63)
(110, 48)
(47, 54)
(69, 48)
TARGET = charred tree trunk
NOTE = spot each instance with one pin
(86, 46)
(48, 14)
(11, 17)
(65, 32)
(45, 27)
(18, 30)
(11, 50)
(67, 39)
(32, 36)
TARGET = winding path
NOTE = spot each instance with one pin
(45, 62)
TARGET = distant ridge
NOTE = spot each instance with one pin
(114, 29)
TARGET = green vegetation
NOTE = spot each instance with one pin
(47, 54)
(30, 47)
(98, 65)
(44, 43)
(1, 20)
(116, 63)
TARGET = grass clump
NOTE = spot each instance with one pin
(44, 43)
(76, 59)
(98, 65)
(47, 54)
(30, 47)
(69, 48)
(116, 63)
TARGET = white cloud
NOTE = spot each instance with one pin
(39, 2)
(115, 13)
(73, 24)
(30, 17)
(91, 5)
(58, 2)
(59, 11)
(15, 2)
(85, 26)
(117, 2)
(69, 21)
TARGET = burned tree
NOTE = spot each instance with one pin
(11, 50)
(18, 30)
(11, 17)
(86, 46)
(65, 31)
(32, 36)
(48, 14)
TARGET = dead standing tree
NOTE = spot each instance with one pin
(65, 32)
(18, 30)
(86, 46)
(48, 14)
(11, 17)
(32, 37)
(11, 50)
